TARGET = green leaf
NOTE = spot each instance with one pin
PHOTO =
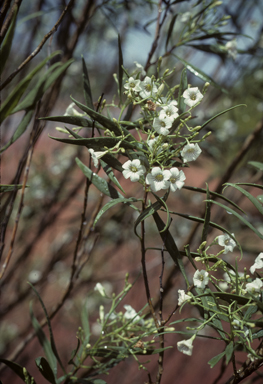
(104, 121)
(7, 42)
(214, 194)
(42, 86)
(111, 204)
(221, 113)
(99, 183)
(170, 245)
(170, 30)
(207, 217)
(182, 88)
(9, 188)
(229, 297)
(256, 164)
(86, 85)
(242, 219)
(120, 72)
(44, 341)
(149, 211)
(74, 353)
(20, 129)
(45, 370)
(96, 143)
(52, 341)
(197, 72)
(229, 351)
(85, 324)
(74, 120)
(107, 169)
(253, 199)
(12, 100)
(216, 359)
(162, 202)
(18, 369)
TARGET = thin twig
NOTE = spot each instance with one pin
(8, 20)
(38, 49)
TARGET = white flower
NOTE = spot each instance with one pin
(96, 156)
(176, 179)
(139, 68)
(133, 85)
(100, 289)
(148, 88)
(190, 152)
(258, 263)
(238, 325)
(201, 278)
(227, 242)
(71, 111)
(231, 47)
(186, 346)
(192, 96)
(169, 110)
(133, 169)
(132, 314)
(158, 179)
(182, 297)
(162, 125)
(255, 286)
(152, 143)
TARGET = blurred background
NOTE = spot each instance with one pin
(49, 223)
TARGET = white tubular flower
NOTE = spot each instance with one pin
(132, 314)
(231, 47)
(133, 85)
(227, 242)
(255, 286)
(148, 88)
(186, 346)
(190, 152)
(201, 278)
(100, 289)
(140, 68)
(258, 263)
(71, 111)
(169, 110)
(96, 156)
(192, 96)
(162, 125)
(158, 179)
(176, 179)
(182, 297)
(133, 169)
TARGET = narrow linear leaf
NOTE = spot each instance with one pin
(52, 341)
(170, 245)
(20, 129)
(73, 120)
(253, 199)
(86, 85)
(229, 351)
(221, 113)
(214, 194)
(7, 42)
(9, 188)
(216, 359)
(251, 185)
(43, 340)
(111, 204)
(170, 30)
(242, 219)
(162, 202)
(18, 369)
(74, 353)
(45, 369)
(99, 183)
(13, 98)
(207, 217)
(197, 72)
(104, 121)
(107, 169)
(182, 88)
(120, 72)
(256, 164)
